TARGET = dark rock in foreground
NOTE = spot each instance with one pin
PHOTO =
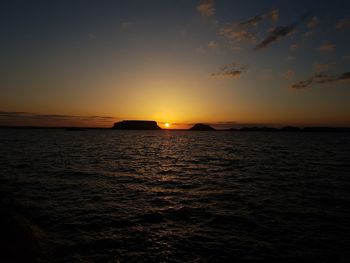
(136, 125)
(202, 127)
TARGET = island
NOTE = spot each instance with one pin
(136, 125)
(201, 127)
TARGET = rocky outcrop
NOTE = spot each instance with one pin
(136, 125)
(201, 127)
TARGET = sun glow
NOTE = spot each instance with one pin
(167, 125)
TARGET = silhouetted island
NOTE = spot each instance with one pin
(201, 127)
(136, 125)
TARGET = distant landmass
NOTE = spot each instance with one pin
(201, 127)
(291, 129)
(136, 125)
(152, 125)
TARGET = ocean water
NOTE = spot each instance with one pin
(163, 196)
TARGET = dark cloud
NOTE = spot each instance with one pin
(276, 34)
(273, 14)
(241, 32)
(233, 70)
(252, 21)
(320, 78)
(283, 31)
(27, 118)
(14, 113)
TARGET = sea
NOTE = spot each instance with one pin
(174, 196)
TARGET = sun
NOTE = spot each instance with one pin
(167, 125)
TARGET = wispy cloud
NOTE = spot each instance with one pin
(242, 31)
(236, 34)
(213, 45)
(326, 47)
(320, 78)
(273, 14)
(27, 118)
(206, 8)
(343, 24)
(322, 67)
(233, 70)
(276, 34)
(280, 32)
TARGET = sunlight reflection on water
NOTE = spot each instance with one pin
(181, 196)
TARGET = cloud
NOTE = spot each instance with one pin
(254, 21)
(233, 70)
(239, 32)
(236, 34)
(276, 34)
(33, 119)
(322, 67)
(282, 31)
(326, 47)
(343, 24)
(206, 8)
(213, 45)
(289, 74)
(273, 14)
(320, 78)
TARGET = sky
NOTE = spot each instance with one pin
(225, 63)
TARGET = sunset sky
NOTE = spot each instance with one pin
(226, 63)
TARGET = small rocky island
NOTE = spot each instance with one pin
(136, 125)
(201, 127)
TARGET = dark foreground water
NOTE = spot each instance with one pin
(129, 196)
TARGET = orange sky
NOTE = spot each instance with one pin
(177, 62)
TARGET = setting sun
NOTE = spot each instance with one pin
(167, 125)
